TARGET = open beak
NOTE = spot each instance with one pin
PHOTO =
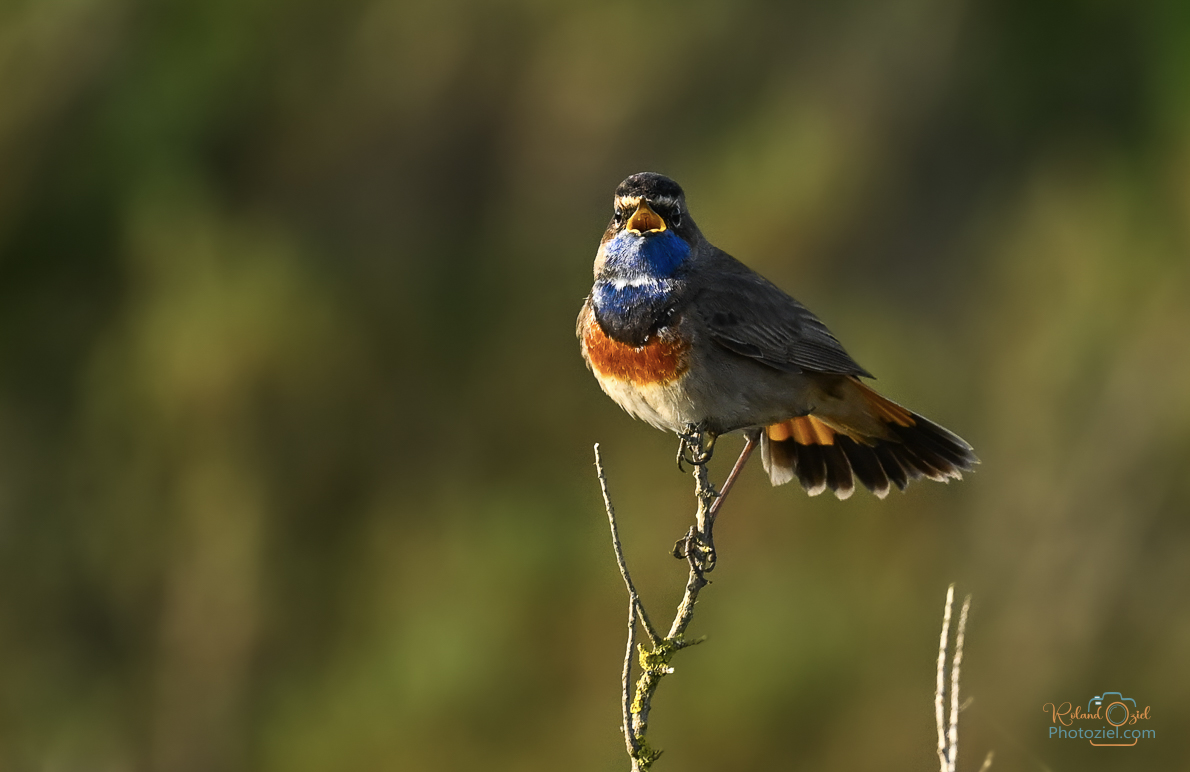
(645, 220)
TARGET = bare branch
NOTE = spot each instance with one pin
(633, 596)
(940, 688)
(955, 666)
(948, 731)
(699, 552)
(626, 682)
(697, 547)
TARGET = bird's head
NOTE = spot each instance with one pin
(650, 204)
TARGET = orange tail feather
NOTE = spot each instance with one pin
(824, 451)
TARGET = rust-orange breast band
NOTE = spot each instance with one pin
(663, 359)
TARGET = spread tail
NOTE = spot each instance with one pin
(864, 436)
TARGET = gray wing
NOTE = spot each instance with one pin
(749, 315)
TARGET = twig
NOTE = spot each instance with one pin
(626, 682)
(633, 596)
(697, 547)
(940, 686)
(948, 731)
(699, 551)
(955, 666)
(655, 664)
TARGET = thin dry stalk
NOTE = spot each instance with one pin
(948, 726)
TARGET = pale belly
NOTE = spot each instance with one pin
(646, 381)
(665, 406)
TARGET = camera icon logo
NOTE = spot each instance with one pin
(1113, 703)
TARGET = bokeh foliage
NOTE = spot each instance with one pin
(295, 442)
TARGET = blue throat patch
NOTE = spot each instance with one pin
(633, 291)
(657, 256)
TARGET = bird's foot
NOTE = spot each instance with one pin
(695, 446)
(698, 549)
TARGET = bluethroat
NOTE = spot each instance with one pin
(687, 338)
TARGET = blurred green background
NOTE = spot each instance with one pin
(295, 440)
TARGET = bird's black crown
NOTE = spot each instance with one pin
(650, 186)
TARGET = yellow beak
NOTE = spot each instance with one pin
(645, 220)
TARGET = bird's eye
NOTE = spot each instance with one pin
(676, 217)
(619, 217)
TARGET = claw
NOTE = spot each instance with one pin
(698, 550)
(695, 446)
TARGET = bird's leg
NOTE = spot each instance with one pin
(695, 446)
(751, 439)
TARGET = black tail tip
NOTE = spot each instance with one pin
(922, 450)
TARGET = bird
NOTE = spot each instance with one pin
(685, 337)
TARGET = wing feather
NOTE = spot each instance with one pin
(749, 315)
